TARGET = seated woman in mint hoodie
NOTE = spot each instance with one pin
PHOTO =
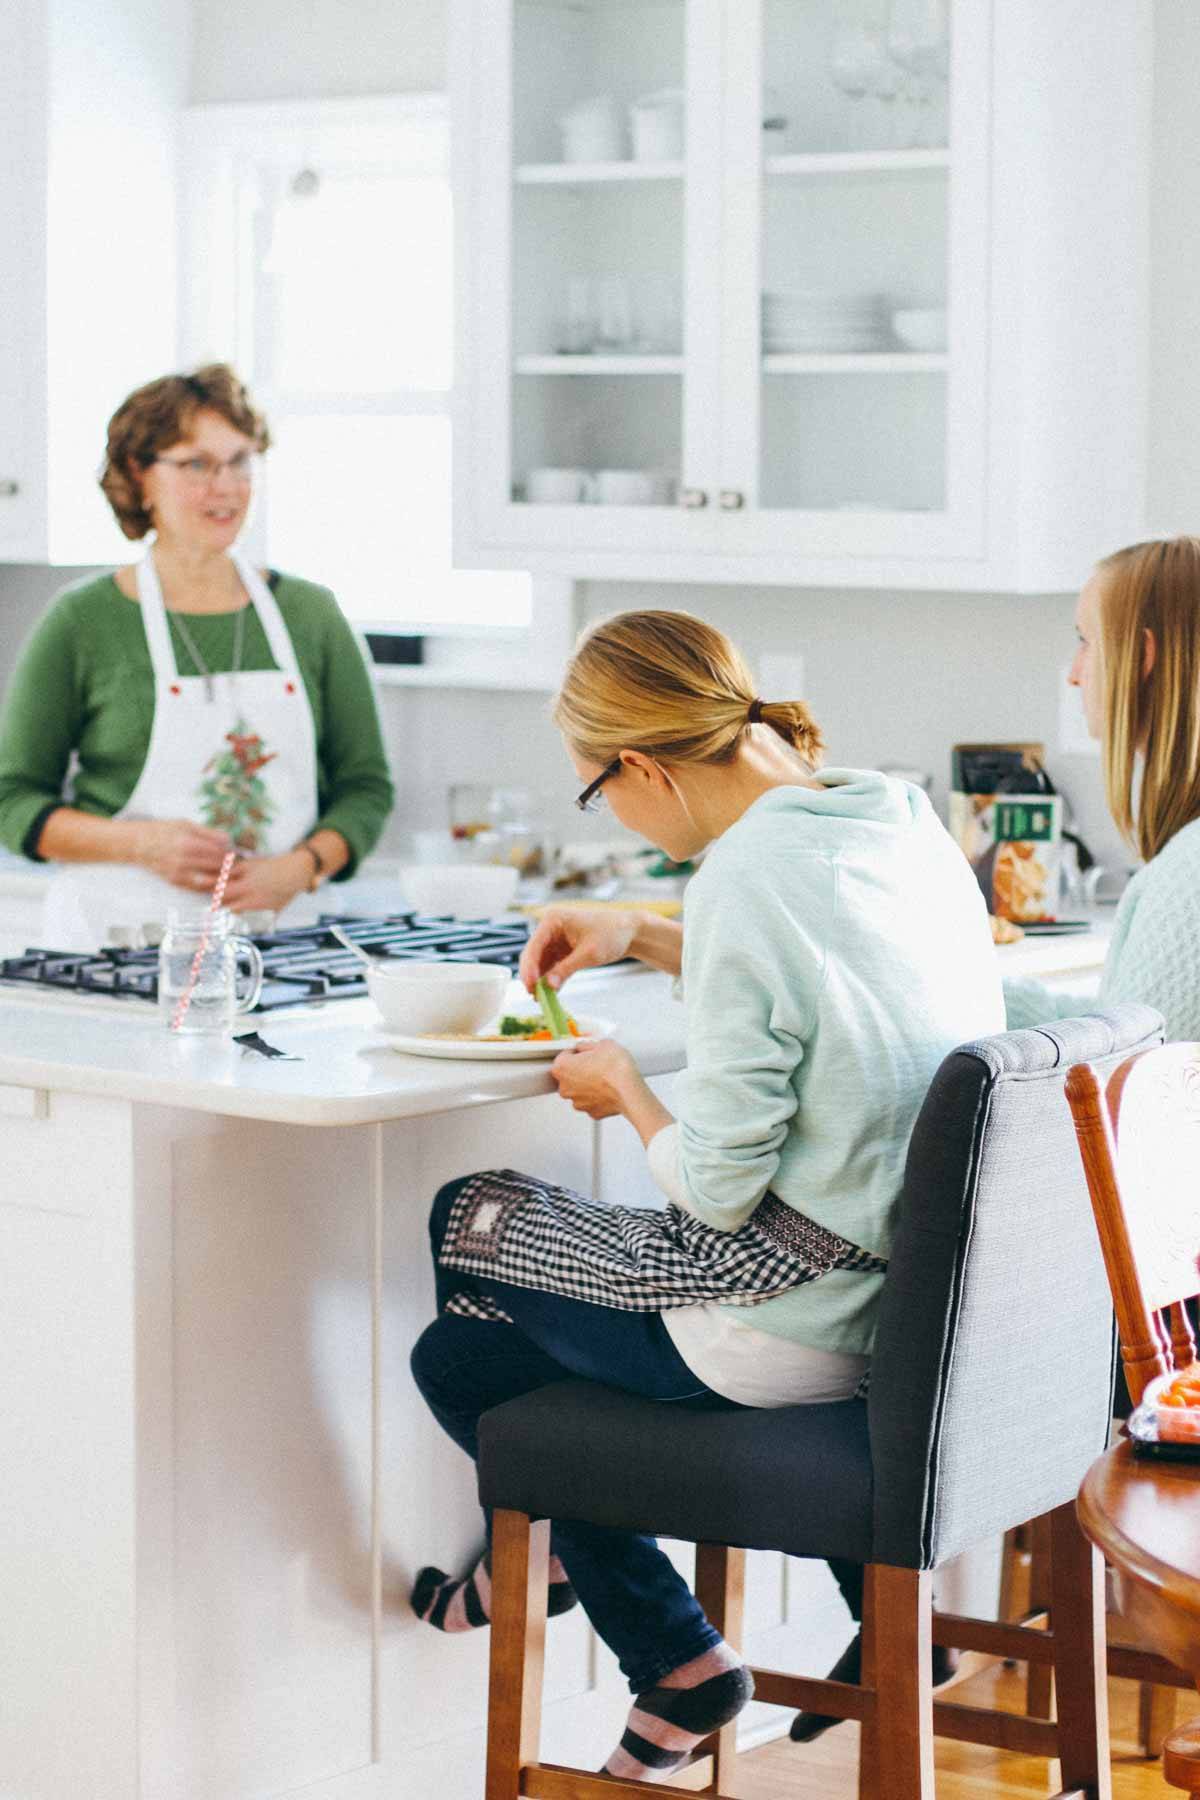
(834, 948)
(1138, 669)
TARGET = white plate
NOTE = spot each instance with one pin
(518, 1050)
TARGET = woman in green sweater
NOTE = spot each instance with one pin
(188, 704)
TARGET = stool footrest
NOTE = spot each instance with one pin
(554, 1781)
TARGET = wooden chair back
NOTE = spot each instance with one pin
(1140, 1143)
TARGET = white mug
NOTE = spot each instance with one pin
(656, 126)
(622, 487)
(556, 487)
(593, 131)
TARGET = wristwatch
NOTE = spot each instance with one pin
(320, 873)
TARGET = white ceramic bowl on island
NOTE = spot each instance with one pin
(417, 997)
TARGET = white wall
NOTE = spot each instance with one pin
(268, 50)
(892, 679)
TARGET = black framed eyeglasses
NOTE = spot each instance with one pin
(591, 797)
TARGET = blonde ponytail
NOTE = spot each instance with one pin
(672, 686)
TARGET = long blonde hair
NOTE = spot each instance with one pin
(1154, 587)
(673, 687)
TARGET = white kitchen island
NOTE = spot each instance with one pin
(218, 1477)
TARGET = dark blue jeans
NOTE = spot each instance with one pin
(631, 1592)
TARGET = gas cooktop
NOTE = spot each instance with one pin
(303, 965)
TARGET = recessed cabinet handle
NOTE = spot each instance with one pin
(693, 498)
(732, 500)
(9, 489)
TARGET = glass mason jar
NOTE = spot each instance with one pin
(204, 955)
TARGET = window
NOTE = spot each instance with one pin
(317, 257)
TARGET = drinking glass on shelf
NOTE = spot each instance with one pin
(851, 60)
(614, 314)
(578, 332)
(918, 41)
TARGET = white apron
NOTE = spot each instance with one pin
(195, 765)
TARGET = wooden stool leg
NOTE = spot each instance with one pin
(1181, 1759)
(520, 1570)
(1039, 1682)
(1010, 1568)
(1156, 1716)
(1080, 1657)
(897, 1756)
(721, 1591)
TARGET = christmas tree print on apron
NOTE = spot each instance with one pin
(233, 795)
(192, 714)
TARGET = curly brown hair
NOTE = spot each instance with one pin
(158, 415)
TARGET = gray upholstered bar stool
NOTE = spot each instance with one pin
(990, 1395)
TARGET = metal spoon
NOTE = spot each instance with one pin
(367, 956)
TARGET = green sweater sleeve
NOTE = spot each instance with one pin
(356, 792)
(39, 727)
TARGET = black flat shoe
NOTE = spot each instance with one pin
(848, 1667)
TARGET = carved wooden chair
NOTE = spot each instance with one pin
(995, 1289)
(1139, 1137)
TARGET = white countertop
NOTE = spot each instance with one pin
(348, 1075)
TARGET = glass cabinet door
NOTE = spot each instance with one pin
(601, 349)
(854, 299)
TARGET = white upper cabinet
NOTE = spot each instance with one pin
(824, 292)
(89, 100)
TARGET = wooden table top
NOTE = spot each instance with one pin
(1144, 1514)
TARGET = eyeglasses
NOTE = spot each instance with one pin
(592, 799)
(202, 471)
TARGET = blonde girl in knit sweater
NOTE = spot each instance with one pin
(1137, 667)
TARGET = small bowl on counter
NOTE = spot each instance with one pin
(420, 997)
(459, 890)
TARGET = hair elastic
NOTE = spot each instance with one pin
(755, 713)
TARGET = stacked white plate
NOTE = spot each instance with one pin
(803, 321)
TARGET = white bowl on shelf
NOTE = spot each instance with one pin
(416, 997)
(459, 890)
(921, 327)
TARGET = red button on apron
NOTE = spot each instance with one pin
(175, 688)
(289, 687)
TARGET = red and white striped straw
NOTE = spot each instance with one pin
(214, 906)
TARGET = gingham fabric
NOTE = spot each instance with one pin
(514, 1228)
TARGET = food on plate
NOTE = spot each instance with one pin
(1177, 1408)
(546, 1026)
(1004, 931)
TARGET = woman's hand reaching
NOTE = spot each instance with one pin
(569, 938)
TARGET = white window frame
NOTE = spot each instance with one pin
(225, 150)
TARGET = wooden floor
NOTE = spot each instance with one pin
(828, 1769)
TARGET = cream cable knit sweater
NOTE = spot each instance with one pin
(1154, 955)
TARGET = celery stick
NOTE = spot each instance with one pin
(552, 1010)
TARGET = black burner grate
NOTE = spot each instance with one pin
(301, 964)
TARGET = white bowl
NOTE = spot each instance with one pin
(459, 890)
(416, 997)
(921, 328)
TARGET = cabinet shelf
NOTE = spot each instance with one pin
(858, 162)
(599, 365)
(869, 362)
(593, 174)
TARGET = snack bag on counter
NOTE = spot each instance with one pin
(1007, 819)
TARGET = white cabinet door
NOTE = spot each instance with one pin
(589, 321)
(22, 268)
(856, 221)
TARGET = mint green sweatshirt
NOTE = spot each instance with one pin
(81, 705)
(835, 949)
(1154, 953)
